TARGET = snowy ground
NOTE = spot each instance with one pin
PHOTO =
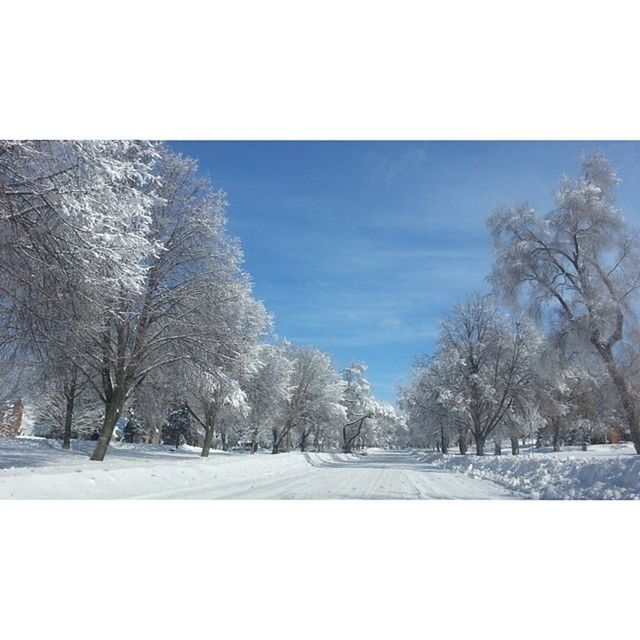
(38, 468)
(601, 472)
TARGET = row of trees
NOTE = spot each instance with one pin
(551, 353)
(122, 296)
(289, 397)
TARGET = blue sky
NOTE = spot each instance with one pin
(361, 247)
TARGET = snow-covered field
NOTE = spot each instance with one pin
(38, 468)
(601, 472)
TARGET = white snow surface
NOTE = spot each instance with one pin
(33, 467)
(39, 468)
(600, 473)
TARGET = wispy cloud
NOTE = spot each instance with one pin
(389, 167)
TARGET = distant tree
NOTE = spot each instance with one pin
(315, 394)
(179, 429)
(268, 391)
(359, 404)
(134, 429)
(427, 403)
(220, 402)
(486, 363)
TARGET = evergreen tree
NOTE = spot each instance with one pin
(134, 430)
(179, 429)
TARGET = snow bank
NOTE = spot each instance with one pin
(592, 475)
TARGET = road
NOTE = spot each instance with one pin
(381, 475)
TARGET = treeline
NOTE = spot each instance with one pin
(123, 301)
(551, 354)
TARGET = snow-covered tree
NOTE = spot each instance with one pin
(134, 429)
(74, 224)
(579, 261)
(83, 202)
(427, 403)
(268, 392)
(385, 429)
(180, 428)
(359, 404)
(219, 402)
(486, 362)
(315, 395)
(195, 304)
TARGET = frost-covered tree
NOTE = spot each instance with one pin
(268, 392)
(134, 429)
(315, 394)
(52, 415)
(74, 224)
(74, 202)
(152, 400)
(359, 404)
(385, 429)
(179, 428)
(65, 388)
(116, 265)
(195, 304)
(580, 262)
(427, 403)
(486, 362)
(219, 404)
(369, 422)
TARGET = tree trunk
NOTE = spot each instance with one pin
(480, 440)
(584, 440)
(497, 447)
(556, 435)
(254, 446)
(112, 413)
(346, 445)
(462, 445)
(208, 440)
(303, 442)
(68, 419)
(276, 441)
(223, 438)
(154, 438)
(348, 441)
(624, 394)
(443, 440)
(515, 445)
(70, 395)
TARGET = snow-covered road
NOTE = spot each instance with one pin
(43, 471)
(379, 475)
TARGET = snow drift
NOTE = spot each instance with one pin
(602, 474)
